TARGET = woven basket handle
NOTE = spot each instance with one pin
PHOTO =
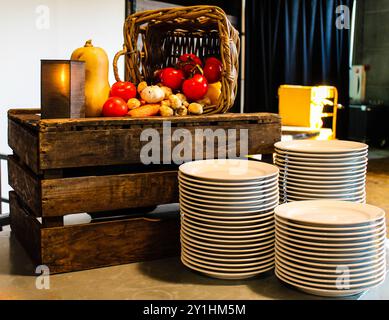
(115, 62)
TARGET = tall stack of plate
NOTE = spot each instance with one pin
(311, 170)
(227, 217)
(330, 248)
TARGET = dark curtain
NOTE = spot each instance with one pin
(294, 42)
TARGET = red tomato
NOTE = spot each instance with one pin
(212, 72)
(187, 62)
(124, 90)
(172, 78)
(213, 60)
(115, 107)
(157, 74)
(195, 88)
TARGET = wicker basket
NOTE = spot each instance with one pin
(155, 39)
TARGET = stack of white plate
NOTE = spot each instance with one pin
(315, 170)
(227, 217)
(330, 248)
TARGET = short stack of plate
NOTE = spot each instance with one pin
(330, 248)
(311, 170)
(227, 217)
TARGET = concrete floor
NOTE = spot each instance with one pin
(168, 278)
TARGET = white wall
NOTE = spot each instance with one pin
(32, 30)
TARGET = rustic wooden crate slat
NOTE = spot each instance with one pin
(24, 143)
(57, 197)
(100, 244)
(66, 143)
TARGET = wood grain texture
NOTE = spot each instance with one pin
(112, 192)
(31, 116)
(66, 149)
(26, 228)
(93, 245)
(102, 244)
(24, 143)
(25, 184)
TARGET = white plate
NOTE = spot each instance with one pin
(347, 165)
(322, 156)
(331, 250)
(354, 272)
(293, 184)
(237, 231)
(313, 238)
(321, 146)
(309, 174)
(344, 195)
(226, 260)
(331, 170)
(323, 180)
(248, 214)
(370, 227)
(260, 196)
(230, 239)
(286, 187)
(311, 282)
(228, 208)
(228, 194)
(222, 257)
(227, 276)
(222, 196)
(249, 204)
(239, 219)
(226, 268)
(314, 273)
(323, 160)
(234, 252)
(331, 282)
(227, 228)
(374, 255)
(258, 183)
(219, 222)
(305, 250)
(328, 212)
(226, 189)
(329, 264)
(241, 247)
(291, 198)
(321, 292)
(232, 266)
(228, 170)
(324, 246)
(226, 235)
(330, 232)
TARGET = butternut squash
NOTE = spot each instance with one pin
(96, 77)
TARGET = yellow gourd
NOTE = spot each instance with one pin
(214, 91)
(96, 77)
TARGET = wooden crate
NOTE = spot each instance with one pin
(68, 166)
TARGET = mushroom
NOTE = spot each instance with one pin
(142, 85)
(181, 111)
(152, 94)
(195, 108)
(133, 103)
(166, 111)
(175, 101)
(168, 92)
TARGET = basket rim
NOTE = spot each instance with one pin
(182, 8)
